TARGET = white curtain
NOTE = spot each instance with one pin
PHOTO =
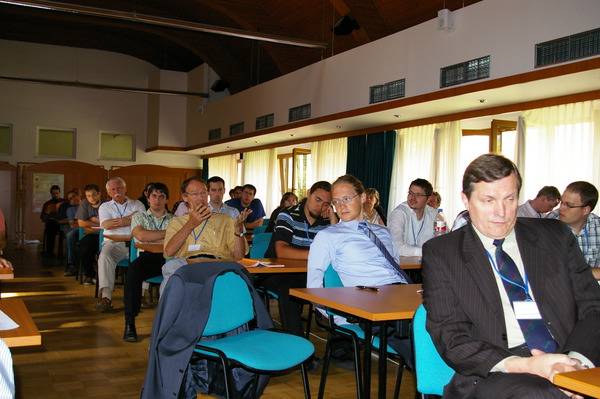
(412, 159)
(261, 170)
(430, 152)
(328, 159)
(226, 168)
(446, 176)
(563, 146)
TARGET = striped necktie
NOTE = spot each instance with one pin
(395, 266)
(535, 331)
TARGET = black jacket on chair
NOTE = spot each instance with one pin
(182, 313)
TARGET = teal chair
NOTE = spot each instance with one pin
(258, 249)
(122, 265)
(154, 283)
(262, 237)
(265, 222)
(356, 334)
(259, 229)
(431, 370)
(261, 351)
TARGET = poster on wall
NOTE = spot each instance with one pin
(41, 188)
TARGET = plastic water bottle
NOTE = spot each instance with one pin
(439, 224)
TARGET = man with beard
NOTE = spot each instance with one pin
(295, 230)
(87, 216)
(411, 223)
(115, 218)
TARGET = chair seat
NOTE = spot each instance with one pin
(155, 280)
(360, 333)
(262, 349)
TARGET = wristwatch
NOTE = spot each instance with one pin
(239, 235)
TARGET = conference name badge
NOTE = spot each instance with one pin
(526, 310)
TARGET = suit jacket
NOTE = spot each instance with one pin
(464, 309)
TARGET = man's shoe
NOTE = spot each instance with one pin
(144, 304)
(88, 281)
(70, 271)
(130, 335)
(313, 363)
(104, 305)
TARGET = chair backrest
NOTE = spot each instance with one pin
(133, 251)
(431, 370)
(331, 278)
(259, 229)
(261, 237)
(258, 249)
(100, 240)
(266, 222)
(81, 230)
(231, 304)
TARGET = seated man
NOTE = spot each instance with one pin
(545, 200)
(216, 191)
(67, 220)
(353, 253)
(115, 218)
(3, 261)
(295, 231)
(201, 233)
(87, 216)
(48, 216)
(247, 201)
(411, 223)
(578, 202)
(510, 301)
(149, 226)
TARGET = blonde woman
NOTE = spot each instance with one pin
(371, 204)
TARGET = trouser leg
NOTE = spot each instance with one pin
(517, 385)
(289, 308)
(88, 247)
(72, 239)
(145, 266)
(112, 252)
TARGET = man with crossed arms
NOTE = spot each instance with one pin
(115, 218)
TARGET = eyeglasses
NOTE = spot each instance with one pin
(197, 194)
(418, 195)
(345, 200)
(569, 205)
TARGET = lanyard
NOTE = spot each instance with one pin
(307, 236)
(526, 288)
(201, 230)
(161, 222)
(124, 209)
(587, 242)
(413, 229)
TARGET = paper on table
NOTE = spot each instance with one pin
(6, 323)
(253, 263)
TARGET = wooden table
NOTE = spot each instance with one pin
(94, 230)
(6, 273)
(289, 265)
(410, 262)
(391, 302)
(118, 237)
(27, 333)
(586, 382)
(157, 248)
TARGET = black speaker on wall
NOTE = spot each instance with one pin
(345, 26)
(219, 85)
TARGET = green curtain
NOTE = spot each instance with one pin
(205, 169)
(370, 159)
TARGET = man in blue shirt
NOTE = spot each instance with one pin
(247, 201)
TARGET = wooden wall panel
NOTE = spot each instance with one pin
(137, 176)
(8, 197)
(76, 175)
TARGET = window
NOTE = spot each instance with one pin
(299, 113)
(57, 143)
(6, 139)
(294, 171)
(117, 146)
(387, 91)
(237, 128)
(500, 138)
(465, 72)
(214, 134)
(265, 121)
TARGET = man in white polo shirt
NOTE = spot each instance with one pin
(115, 218)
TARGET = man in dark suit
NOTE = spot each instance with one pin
(499, 345)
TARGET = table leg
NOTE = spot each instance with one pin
(382, 360)
(367, 359)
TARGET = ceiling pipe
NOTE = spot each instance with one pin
(104, 87)
(172, 23)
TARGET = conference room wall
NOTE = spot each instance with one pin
(28, 106)
(506, 30)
